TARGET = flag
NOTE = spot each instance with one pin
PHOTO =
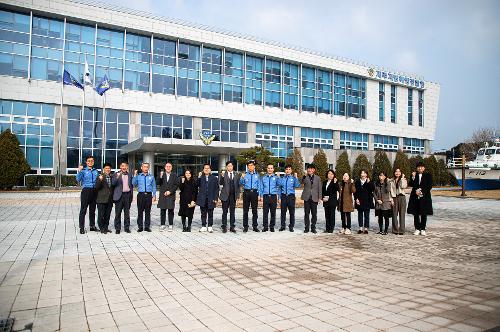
(68, 79)
(86, 75)
(103, 86)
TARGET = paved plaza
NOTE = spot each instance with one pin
(57, 279)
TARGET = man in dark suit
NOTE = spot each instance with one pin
(311, 194)
(122, 196)
(168, 182)
(229, 194)
(104, 198)
(420, 203)
(208, 195)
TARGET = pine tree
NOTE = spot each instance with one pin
(431, 166)
(403, 163)
(321, 163)
(361, 163)
(343, 165)
(414, 160)
(381, 164)
(297, 162)
(444, 175)
(261, 156)
(13, 162)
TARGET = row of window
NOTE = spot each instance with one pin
(381, 105)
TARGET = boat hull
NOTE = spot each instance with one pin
(478, 179)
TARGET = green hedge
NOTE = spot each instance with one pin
(34, 181)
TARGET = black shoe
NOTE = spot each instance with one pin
(139, 230)
(365, 231)
(118, 231)
(379, 232)
(313, 231)
(224, 230)
(282, 229)
(265, 229)
(255, 229)
(291, 230)
(103, 231)
(360, 232)
(108, 231)
(326, 231)
(82, 230)
(384, 233)
(306, 230)
(94, 229)
(148, 230)
(232, 230)
(272, 230)
(245, 229)
(184, 229)
(401, 233)
(127, 230)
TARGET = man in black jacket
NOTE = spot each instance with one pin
(104, 198)
(229, 193)
(208, 195)
(364, 201)
(420, 203)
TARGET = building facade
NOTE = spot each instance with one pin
(175, 85)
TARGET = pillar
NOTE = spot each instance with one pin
(223, 158)
(149, 157)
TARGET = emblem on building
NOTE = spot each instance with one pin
(206, 137)
(371, 72)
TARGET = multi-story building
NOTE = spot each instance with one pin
(174, 84)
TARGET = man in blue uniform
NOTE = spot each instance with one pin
(269, 191)
(87, 177)
(146, 195)
(287, 184)
(250, 182)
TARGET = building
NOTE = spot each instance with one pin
(176, 84)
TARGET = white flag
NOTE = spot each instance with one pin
(86, 75)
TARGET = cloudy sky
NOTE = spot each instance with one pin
(453, 42)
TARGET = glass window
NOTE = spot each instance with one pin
(290, 86)
(316, 138)
(211, 73)
(78, 47)
(166, 126)
(410, 107)
(339, 82)
(109, 61)
(324, 91)
(189, 70)
(254, 76)
(421, 108)
(14, 43)
(353, 140)
(233, 77)
(387, 143)
(273, 83)
(381, 101)
(164, 52)
(47, 44)
(137, 60)
(308, 89)
(226, 130)
(393, 104)
(413, 145)
(276, 138)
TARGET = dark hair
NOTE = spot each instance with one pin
(168, 162)
(270, 164)
(229, 162)
(333, 172)
(207, 164)
(311, 166)
(106, 165)
(363, 170)
(190, 172)
(250, 162)
(420, 164)
(288, 166)
(378, 178)
(89, 157)
(124, 162)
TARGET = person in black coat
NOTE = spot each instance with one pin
(330, 191)
(187, 201)
(208, 195)
(420, 203)
(104, 198)
(364, 201)
(168, 183)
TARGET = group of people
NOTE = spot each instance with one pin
(385, 195)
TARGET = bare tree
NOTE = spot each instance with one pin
(477, 140)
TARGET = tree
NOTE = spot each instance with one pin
(444, 175)
(361, 163)
(403, 163)
(13, 162)
(381, 164)
(321, 163)
(414, 160)
(261, 156)
(477, 140)
(343, 165)
(297, 162)
(431, 166)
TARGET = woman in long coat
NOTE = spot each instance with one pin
(187, 202)
(384, 202)
(330, 192)
(420, 203)
(168, 183)
(346, 203)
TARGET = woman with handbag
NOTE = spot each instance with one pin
(187, 202)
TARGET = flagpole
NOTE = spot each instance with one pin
(103, 157)
(58, 178)
(80, 151)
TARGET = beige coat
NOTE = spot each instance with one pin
(346, 202)
(399, 188)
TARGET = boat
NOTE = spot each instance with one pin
(482, 173)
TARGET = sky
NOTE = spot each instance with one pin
(454, 43)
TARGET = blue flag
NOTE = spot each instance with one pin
(68, 79)
(103, 86)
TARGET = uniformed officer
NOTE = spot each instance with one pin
(269, 191)
(250, 182)
(87, 177)
(287, 184)
(146, 187)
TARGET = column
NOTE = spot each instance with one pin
(223, 158)
(149, 157)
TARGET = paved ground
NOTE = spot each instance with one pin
(59, 280)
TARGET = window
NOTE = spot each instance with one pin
(14, 43)
(316, 138)
(291, 86)
(410, 107)
(233, 77)
(324, 91)
(137, 60)
(78, 46)
(308, 89)
(226, 130)
(393, 104)
(33, 125)
(356, 97)
(164, 52)
(387, 143)
(166, 126)
(110, 57)
(46, 49)
(253, 91)
(211, 73)
(90, 141)
(421, 108)
(353, 141)
(413, 145)
(381, 101)
(339, 83)
(117, 124)
(273, 83)
(276, 138)
(189, 70)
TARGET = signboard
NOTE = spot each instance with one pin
(395, 78)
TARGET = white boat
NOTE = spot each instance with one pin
(482, 173)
